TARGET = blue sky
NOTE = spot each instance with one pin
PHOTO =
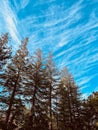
(68, 28)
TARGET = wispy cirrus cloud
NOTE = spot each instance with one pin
(68, 29)
(21, 4)
(72, 38)
(10, 21)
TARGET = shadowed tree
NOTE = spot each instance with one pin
(90, 112)
(35, 92)
(13, 77)
(52, 85)
(68, 104)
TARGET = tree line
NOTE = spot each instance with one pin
(36, 95)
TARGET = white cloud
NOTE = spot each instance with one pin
(10, 20)
(24, 3)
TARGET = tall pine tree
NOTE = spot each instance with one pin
(68, 104)
(13, 77)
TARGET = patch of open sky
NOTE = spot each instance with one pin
(92, 84)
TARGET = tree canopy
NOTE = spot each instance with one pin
(36, 95)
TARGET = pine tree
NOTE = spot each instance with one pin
(90, 112)
(68, 103)
(13, 77)
(5, 56)
(52, 80)
(36, 92)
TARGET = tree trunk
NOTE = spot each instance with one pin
(11, 100)
(50, 110)
(33, 108)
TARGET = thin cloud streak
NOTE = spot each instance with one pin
(66, 31)
(10, 21)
